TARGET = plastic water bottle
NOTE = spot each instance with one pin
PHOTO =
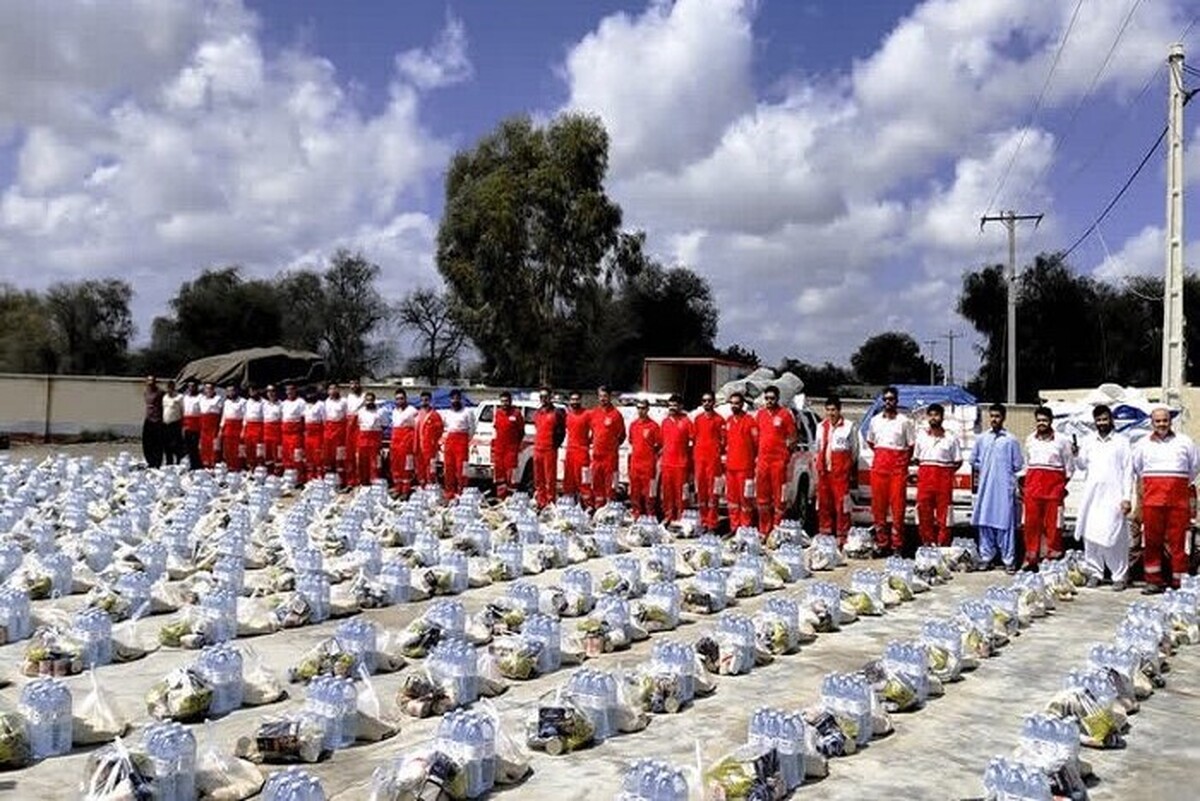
(360, 638)
(651, 780)
(153, 556)
(870, 583)
(11, 554)
(577, 584)
(46, 704)
(629, 570)
(524, 596)
(666, 596)
(314, 587)
(679, 660)
(605, 538)
(827, 593)
(456, 564)
(14, 614)
(334, 700)
(396, 577)
(558, 544)
(1014, 781)
(60, 568)
(223, 606)
(135, 588)
(595, 692)
(772, 728)
(711, 582)
(221, 667)
(850, 695)
(1110, 657)
(172, 749)
(546, 631)
(909, 660)
(483, 740)
(1052, 741)
(746, 575)
(449, 616)
(98, 547)
(826, 547)
(738, 631)
(946, 634)
(92, 629)
(307, 560)
(791, 556)
(512, 556)
(230, 571)
(454, 663)
(614, 611)
(292, 784)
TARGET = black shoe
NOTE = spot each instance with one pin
(1119, 586)
(881, 553)
(1010, 570)
(1152, 589)
(1029, 567)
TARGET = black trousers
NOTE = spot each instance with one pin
(152, 442)
(191, 449)
(173, 442)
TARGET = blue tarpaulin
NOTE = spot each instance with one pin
(916, 396)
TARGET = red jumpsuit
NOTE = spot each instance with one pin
(252, 434)
(232, 450)
(1049, 464)
(460, 427)
(292, 434)
(836, 464)
(210, 426)
(741, 451)
(548, 432)
(1167, 466)
(645, 442)
(608, 432)
(677, 436)
(403, 448)
(273, 433)
(312, 460)
(369, 428)
(353, 404)
(579, 438)
(509, 425)
(335, 438)
(709, 442)
(938, 457)
(429, 440)
(776, 432)
(892, 440)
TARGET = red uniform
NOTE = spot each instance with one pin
(836, 463)
(608, 432)
(233, 412)
(403, 448)
(292, 434)
(509, 425)
(336, 411)
(708, 443)
(1048, 465)
(677, 436)
(429, 440)
(369, 425)
(460, 427)
(252, 433)
(210, 427)
(273, 433)
(891, 440)
(579, 442)
(776, 432)
(548, 432)
(312, 459)
(1167, 467)
(354, 402)
(645, 442)
(938, 457)
(741, 452)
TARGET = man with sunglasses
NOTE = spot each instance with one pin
(776, 438)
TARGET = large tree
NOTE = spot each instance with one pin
(892, 358)
(426, 313)
(27, 340)
(527, 233)
(354, 310)
(92, 324)
(219, 312)
(820, 380)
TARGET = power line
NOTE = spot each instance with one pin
(1037, 106)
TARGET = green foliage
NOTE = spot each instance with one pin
(892, 358)
(820, 380)
(27, 340)
(353, 310)
(439, 338)
(92, 325)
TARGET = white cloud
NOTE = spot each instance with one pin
(444, 64)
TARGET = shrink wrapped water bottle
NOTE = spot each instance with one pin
(396, 577)
(360, 638)
(511, 556)
(46, 705)
(629, 570)
(92, 629)
(369, 554)
(664, 557)
(827, 593)
(453, 664)
(614, 611)
(711, 582)
(11, 554)
(456, 564)
(665, 596)
(595, 692)
(606, 540)
(1051, 741)
(307, 559)
(651, 780)
(334, 700)
(772, 728)
(558, 544)
(910, 661)
(426, 547)
(314, 587)
(59, 567)
(153, 556)
(528, 532)
(14, 614)
(679, 660)
(746, 576)
(577, 585)
(135, 588)
(738, 631)
(1013, 781)
(449, 616)
(791, 556)
(221, 667)
(850, 695)
(230, 571)
(98, 547)
(747, 540)
(945, 634)
(546, 631)
(222, 606)
(292, 784)
(826, 547)
(870, 583)
(172, 749)
(524, 596)
(1110, 657)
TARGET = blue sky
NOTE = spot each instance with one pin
(823, 164)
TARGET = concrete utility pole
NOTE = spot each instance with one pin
(932, 343)
(950, 336)
(1173, 322)
(1010, 220)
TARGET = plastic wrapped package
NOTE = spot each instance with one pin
(785, 733)
(326, 658)
(746, 774)
(659, 609)
(115, 773)
(869, 583)
(849, 697)
(224, 777)
(1013, 781)
(422, 774)
(822, 606)
(777, 626)
(787, 563)
(95, 718)
(16, 748)
(1052, 746)
(962, 555)
(903, 682)
(624, 580)
(1033, 598)
(552, 601)
(860, 542)
(516, 657)
(651, 780)
(703, 554)
(577, 588)
(1124, 666)
(181, 696)
(1182, 607)
(706, 592)
(745, 577)
(931, 565)
(731, 650)
(418, 637)
(372, 724)
(261, 685)
(52, 652)
(984, 635)
(943, 641)
(787, 532)
(1090, 700)
(559, 726)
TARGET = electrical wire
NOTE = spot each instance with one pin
(1037, 106)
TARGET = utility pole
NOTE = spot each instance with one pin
(1173, 322)
(933, 366)
(1010, 220)
(950, 336)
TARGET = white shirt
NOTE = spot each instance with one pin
(841, 438)
(353, 403)
(1049, 454)
(1173, 456)
(335, 410)
(458, 422)
(1109, 483)
(370, 420)
(233, 409)
(172, 408)
(293, 411)
(254, 410)
(895, 433)
(942, 451)
(313, 412)
(272, 411)
(404, 418)
(211, 405)
(191, 406)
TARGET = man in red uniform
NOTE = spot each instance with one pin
(1049, 462)
(741, 453)
(837, 461)
(645, 443)
(252, 430)
(890, 436)
(336, 413)
(576, 482)
(428, 441)
(938, 457)
(369, 429)
(677, 436)
(313, 465)
(233, 412)
(404, 442)
(292, 446)
(608, 432)
(1166, 463)
(776, 436)
(549, 430)
(508, 424)
(210, 424)
(354, 402)
(273, 429)
(709, 444)
(192, 425)
(460, 427)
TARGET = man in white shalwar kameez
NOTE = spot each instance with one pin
(1102, 522)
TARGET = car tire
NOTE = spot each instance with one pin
(526, 484)
(802, 508)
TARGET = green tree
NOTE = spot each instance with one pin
(527, 233)
(738, 353)
(92, 324)
(820, 380)
(27, 339)
(302, 296)
(426, 313)
(891, 358)
(354, 310)
(217, 313)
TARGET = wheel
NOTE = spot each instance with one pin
(802, 505)
(526, 484)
